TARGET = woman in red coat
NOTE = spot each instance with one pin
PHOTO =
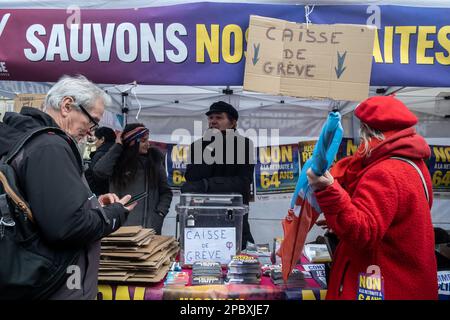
(377, 205)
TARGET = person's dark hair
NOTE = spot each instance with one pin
(107, 133)
(127, 164)
(230, 117)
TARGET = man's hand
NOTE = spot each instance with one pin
(319, 183)
(108, 198)
(125, 199)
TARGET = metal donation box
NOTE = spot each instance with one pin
(210, 227)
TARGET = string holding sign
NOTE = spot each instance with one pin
(307, 14)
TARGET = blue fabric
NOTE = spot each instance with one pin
(323, 156)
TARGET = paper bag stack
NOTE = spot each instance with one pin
(136, 254)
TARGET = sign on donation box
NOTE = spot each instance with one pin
(210, 227)
(209, 244)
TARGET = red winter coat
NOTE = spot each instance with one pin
(383, 218)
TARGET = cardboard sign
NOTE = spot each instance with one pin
(209, 244)
(314, 61)
(28, 100)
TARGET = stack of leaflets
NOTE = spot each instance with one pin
(267, 270)
(317, 253)
(296, 278)
(177, 278)
(206, 273)
(136, 254)
(244, 269)
(262, 251)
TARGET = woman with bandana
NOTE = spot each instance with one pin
(133, 167)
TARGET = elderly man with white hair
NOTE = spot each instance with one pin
(69, 220)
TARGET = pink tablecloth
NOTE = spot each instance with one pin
(266, 290)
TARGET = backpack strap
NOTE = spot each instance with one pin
(7, 173)
(34, 133)
(419, 172)
(15, 197)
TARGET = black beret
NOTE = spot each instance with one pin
(221, 106)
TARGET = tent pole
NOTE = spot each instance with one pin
(124, 108)
(394, 91)
(228, 92)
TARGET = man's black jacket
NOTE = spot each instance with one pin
(226, 177)
(98, 186)
(223, 177)
(51, 178)
(68, 220)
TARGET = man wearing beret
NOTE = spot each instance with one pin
(221, 173)
(378, 203)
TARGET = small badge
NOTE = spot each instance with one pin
(370, 284)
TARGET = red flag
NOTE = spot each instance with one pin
(295, 231)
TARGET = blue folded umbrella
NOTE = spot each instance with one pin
(323, 156)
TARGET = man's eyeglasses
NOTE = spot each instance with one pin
(94, 122)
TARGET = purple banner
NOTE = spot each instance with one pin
(199, 44)
(204, 43)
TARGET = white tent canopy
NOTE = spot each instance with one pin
(292, 116)
(167, 108)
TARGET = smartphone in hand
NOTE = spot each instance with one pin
(135, 198)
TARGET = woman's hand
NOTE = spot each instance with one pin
(319, 183)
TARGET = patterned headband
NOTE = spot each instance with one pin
(134, 135)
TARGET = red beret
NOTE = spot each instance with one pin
(385, 113)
